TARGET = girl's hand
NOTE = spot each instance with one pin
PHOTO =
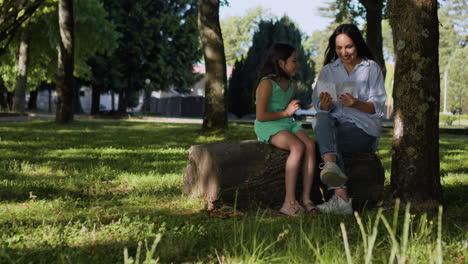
(347, 100)
(325, 101)
(292, 107)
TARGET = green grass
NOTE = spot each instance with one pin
(104, 191)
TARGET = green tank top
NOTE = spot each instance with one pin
(279, 98)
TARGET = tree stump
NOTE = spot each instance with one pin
(366, 178)
(249, 173)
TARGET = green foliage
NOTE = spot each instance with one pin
(92, 190)
(389, 78)
(387, 38)
(239, 30)
(159, 42)
(93, 34)
(244, 76)
(447, 119)
(457, 76)
(453, 52)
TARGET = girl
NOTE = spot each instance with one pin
(274, 123)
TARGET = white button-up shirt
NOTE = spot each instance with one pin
(367, 78)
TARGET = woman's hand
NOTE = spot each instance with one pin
(292, 107)
(325, 101)
(347, 100)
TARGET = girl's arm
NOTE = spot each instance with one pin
(264, 91)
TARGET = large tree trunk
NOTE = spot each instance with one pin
(215, 116)
(374, 30)
(65, 80)
(248, 173)
(415, 160)
(19, 100)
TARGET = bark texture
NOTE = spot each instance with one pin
(215, 116)
(19, 99)
(65, 80)
(415, 161)
(374, 30)
(248, 173)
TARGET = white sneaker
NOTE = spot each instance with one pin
(336, 205)
(332, 175)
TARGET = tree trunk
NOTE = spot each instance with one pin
(3, 96)
(415, 161)
(248, 173)
(9, 100)
(19, 100)
(95, 99)
(374, 30)
(123, 101)
(32, 103)
(146, 108)
(112, 101)
(65, 79)
(215, 116)
(77, 109)
(49, 90)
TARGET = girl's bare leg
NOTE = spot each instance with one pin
(287, 141)
(309, 164)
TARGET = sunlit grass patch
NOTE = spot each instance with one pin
(84, 192)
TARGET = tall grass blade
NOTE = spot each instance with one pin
(404, 243)
(363, 231)
(439, 236)
(373, 237)
(346, 244)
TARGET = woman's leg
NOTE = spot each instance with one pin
(287, 141)
(352, 139)
(309, 164)
(325, 131)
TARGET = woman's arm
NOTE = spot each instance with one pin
(264, 91)
(376, 98)
(349, 101)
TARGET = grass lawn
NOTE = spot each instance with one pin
(111, 192)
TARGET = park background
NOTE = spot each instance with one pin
(91, 190)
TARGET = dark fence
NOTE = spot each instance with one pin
(192, 106)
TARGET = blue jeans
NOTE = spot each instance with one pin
(334, 137)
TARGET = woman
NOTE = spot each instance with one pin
(349, 98)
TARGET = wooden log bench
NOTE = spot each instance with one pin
(250, 173)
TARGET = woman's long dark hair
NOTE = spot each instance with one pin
(352, 32)
(270, 67)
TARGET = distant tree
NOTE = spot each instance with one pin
(387, 37)
(457, 81)
(458, 12)
(94, 34)
(65, 80)
(244, 75)
(215, 116)
(452, 44)
(159, 43)
(19, 98)
(239, 30)
(415, 175)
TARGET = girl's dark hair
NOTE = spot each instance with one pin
(270, 67)
(352, 32)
